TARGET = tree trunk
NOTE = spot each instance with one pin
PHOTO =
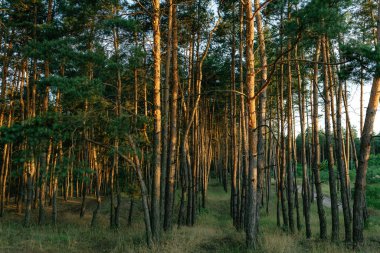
(262, 109)
(243, 120)
(170, 179)
(234, 146)
(29, 193)
(341, 167)
(157, 121)
(289, 157)
(251, 214)
(365, 148)
(144, 192)
(301, 106)
(97, 189)
(316, 150)
(165, 124)
(329, 145)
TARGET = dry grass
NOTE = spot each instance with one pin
(213, 232)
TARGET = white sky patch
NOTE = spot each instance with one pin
(353, 103)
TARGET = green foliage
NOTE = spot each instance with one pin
(324, 172)
(33, 130)
(133, 190)
(360, 56)
(373, 195)
(373, 173)
(130, 25)
(319, 17)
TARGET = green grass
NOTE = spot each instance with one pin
(373, 180)
(213, 232)
(373, 196)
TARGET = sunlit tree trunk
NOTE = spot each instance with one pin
(98, 180)
(251, 212)
(234, 146)
(243, 122)
(262, 107)
(156, 190)
(365, 148)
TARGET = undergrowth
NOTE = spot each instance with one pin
(213, 231)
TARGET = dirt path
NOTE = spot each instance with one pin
(326, 199)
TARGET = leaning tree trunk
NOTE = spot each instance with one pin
(144, 191)
(361, 172)
(184, 146)
(365, 149)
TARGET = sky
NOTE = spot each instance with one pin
(353, 102)
(354, 106)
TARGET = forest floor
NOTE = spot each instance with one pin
(213, 231)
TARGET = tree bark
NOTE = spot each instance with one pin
(251, 214)
(301, 106)
(329, 145)
(316, 150)
(170, 180)
(365, 149)
(156, 191)
(262, 108)
(289, 154)
(165, 124)
(341, 167)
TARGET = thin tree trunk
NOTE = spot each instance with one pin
(329, 145)
(301, 106)
(251, 214)
(156, 190)
(243, 116)
(289, 157)
(262, 109)
(97, 189)
(165, 124)
(170, 180)
(234, 146)
(29, 193)
(341, 167)
(144, 192)
(316, 150)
